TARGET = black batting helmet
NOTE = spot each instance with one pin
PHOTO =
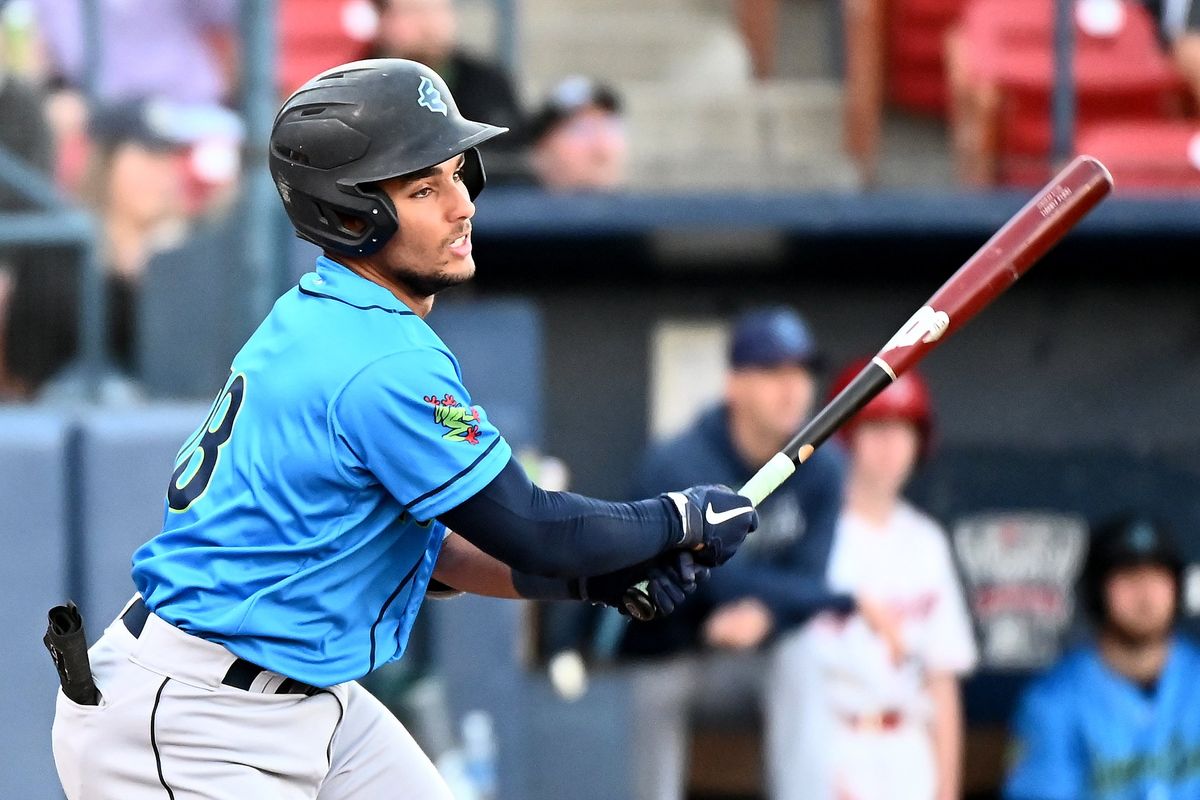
(1127, 541)
(352, 126)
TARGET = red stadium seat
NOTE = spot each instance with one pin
(1161, 155)
(916, 32)
(315, 35)
(1120, 74)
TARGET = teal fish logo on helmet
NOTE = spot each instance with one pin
(429, 97)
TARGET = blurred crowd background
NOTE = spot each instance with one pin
(681, 176)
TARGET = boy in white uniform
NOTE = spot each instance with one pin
(887, 703)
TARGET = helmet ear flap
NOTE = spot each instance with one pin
(380, 218)
(370, 205)
(474, 176)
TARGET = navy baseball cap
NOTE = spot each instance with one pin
(772, 337)
(570, 96)
(163, 124)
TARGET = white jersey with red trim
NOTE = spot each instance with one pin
(905, 564)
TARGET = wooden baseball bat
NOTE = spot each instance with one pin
(1011, 251)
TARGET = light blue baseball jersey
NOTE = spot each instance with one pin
(300, 525)
(1085, 732)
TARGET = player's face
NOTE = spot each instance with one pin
(884, 453)
(432, 249)
(773, 400)
(1141, 602)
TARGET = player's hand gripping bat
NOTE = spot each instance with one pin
(1006, 256)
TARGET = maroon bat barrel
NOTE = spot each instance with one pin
(1006, 256)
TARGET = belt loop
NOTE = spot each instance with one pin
(128, 603)
(135, 616)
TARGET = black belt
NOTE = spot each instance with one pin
(241, 674)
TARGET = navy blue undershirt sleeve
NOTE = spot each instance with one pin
(560, 534)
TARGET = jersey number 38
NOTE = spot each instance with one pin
(198, 459)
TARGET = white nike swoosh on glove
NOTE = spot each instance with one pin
(712, 517)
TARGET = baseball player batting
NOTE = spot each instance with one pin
(312, 509)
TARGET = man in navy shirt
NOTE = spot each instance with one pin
(313, 507)
(709, 654)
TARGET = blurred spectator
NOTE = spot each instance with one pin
(135, 183)
(148, 48)
(705, 652)
(883, 721)
(427, 31)
(578, 137)
(176, 50)
(1179, 25)
(1118, 717)
(25, 135)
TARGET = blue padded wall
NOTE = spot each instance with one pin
(498, 344)
(125, 460)
(547, 747)
(33, 573)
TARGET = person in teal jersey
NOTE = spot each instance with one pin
(1117, 719)
(341, 473)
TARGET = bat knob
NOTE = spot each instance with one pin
(638, 603)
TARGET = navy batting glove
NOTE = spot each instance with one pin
(715, 521)
(674, 577)
(670, 579)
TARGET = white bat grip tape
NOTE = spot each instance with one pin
(768, 478)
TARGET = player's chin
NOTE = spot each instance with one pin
(1143, 631)
(462, 265)
(456, 271)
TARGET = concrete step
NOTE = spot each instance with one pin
(477, 27)
(696, 119)
(785, 134)
(606, 21)
(775, 114)
(721, 175)
(695, 8)
(650, 45)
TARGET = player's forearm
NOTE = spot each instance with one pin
(559, 534)
(946, 730)
(464, 567)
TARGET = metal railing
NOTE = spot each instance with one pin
(264, 262)
(56, 221)
(1063, 100)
